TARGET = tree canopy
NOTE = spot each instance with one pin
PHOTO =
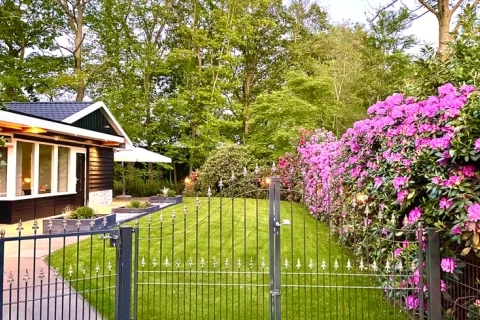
(184, 77)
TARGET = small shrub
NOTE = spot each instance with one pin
(222, 163)
(67, 211)
(171, 193)
(135, 204)
(82, 213)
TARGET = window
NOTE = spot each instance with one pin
(3, 171)
(63, 155)
(24, 168)
(45, 169)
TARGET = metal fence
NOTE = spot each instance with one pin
(241, 254)
(461, 299)
(56, 276)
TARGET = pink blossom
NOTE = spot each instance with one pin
(399, 181)
(448, 265)
(414, 215)
(401, 195)
(443, 286)
(397, 252)
(416, 276)
(378, 181)
(468, 170)
(412, 302)
(477, 145)
(445, 203)
(456, 230)
(453, 181)
(436, 180)
(474, 212)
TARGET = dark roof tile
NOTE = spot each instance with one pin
(57, 111)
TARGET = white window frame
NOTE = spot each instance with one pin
(12, 170)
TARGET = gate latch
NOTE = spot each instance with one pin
(285, 222)
(274, 293)
(113, 238)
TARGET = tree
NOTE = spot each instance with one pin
(387, 65)
(75, 14)
(262, 53)
(444, 11)
(460, 68)
(27, 63)
(304, 102)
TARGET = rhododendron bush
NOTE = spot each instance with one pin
(409, 163)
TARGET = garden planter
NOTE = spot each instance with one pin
(174, 200)
(100, 222)
(153, 208)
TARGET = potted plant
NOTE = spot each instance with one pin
(167, 196)
(82, 218)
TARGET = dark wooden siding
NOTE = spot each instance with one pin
(100, 169)
(95, 121)
(28, 209)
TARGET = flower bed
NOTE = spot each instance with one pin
(409, 162)
(150, 209)
(61, 225)
(159, 199)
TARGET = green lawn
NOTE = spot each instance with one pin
(184, 290)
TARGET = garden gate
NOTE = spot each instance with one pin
(250, 252)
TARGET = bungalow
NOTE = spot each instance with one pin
(57, 154)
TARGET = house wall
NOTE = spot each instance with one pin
(36, 208)
(100, 176)
(96, 121)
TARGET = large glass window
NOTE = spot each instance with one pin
(3, 171)
(24, 168)
(63, 156)
(45, 169)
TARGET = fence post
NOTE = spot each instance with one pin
(2, 270)
(123, 290)
(433, 275)
(274, 248)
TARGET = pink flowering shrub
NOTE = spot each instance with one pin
(409, 162)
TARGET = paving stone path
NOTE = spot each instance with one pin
(32, 290)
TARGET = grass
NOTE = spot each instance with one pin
(237, 230)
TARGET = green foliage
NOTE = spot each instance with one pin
(184, 77)
(462, 64)
(27, 38)
(227, 160)
(140, 182)
(82, 213)
(138, 204)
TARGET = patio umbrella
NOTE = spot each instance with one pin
(138, 155)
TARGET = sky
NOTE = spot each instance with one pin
(425, 28)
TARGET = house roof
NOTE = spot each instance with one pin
(64, 117)
(57, 111)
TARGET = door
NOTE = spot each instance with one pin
(80, 186)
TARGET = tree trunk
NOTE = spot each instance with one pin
(77, 55)
(174, 172)
(249, 76)
(190, 164)
(444, 20)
